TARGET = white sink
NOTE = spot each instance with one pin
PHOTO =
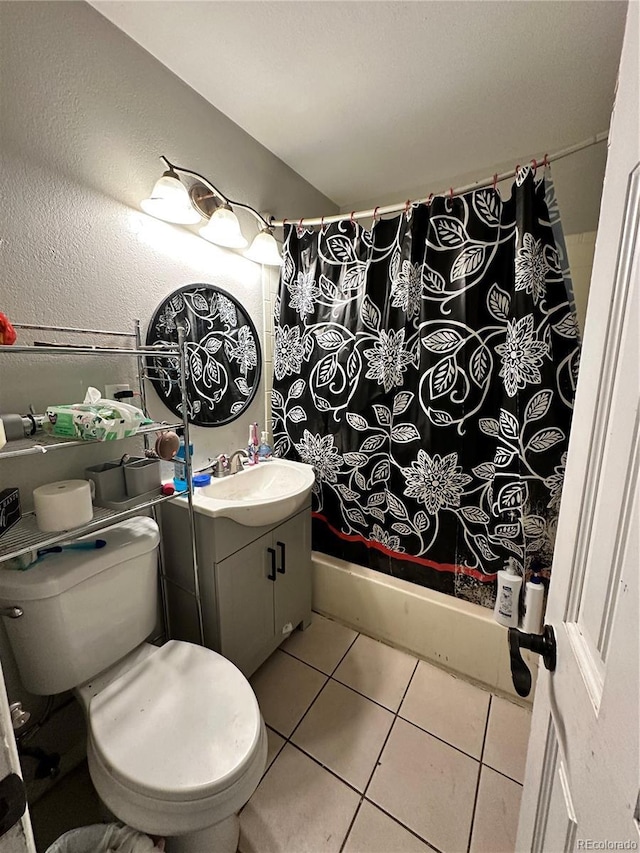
(261, 494)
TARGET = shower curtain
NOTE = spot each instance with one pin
(426, 369)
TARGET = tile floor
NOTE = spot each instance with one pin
(374, 751)
(370, 751)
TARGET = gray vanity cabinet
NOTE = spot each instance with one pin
(255, 583)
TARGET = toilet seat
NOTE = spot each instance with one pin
(182, 725)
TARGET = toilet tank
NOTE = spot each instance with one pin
(83, 610)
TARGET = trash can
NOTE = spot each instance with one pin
(104, 838)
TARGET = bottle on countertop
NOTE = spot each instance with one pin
(533, 605)
(180, 467)
(507, 606)
(253, 444)
(264, 449)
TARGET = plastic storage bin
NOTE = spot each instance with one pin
(109, 480)
(141, 476)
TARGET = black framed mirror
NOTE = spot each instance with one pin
(224, 360)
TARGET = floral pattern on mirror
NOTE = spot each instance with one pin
(223, 360)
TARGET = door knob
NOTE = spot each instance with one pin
(542, 644)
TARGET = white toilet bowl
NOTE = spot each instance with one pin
(177, 746)
(176, 741)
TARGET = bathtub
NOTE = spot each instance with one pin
(449, 632)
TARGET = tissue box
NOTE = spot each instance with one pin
(9, 509)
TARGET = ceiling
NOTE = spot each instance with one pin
(376, 101)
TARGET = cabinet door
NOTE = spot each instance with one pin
(245, 604)
(292, 541)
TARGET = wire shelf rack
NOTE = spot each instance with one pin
(25, 536)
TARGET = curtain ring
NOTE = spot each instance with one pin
(407, 205)
(495, 181)
(517, 169)
(545, 162)
(428, 200)
(284, 222)
(535, 167)
(375, 213)
(351, 217)
(451, 192)
(321, 223)
(300, 224)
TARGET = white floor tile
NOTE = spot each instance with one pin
(298, 808)
(427, 785)
(285, 688)
(345, 732)
(496, 822)
(448, 707)
(274, 745)
(376, 670)
(322, 644)
(507, 738)
(375, 832)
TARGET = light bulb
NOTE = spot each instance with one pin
(223, 229)
(169, 200)
(264, 249)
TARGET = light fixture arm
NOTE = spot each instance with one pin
(216, 191)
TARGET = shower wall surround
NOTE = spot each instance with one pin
(427, 369)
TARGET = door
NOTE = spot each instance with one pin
(583, 774)
(245, 583)
(18, 839)
(292, 542)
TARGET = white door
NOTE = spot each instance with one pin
(19, 839)
(583, 769)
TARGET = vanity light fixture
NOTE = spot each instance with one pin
(174, 201)
(169, 200)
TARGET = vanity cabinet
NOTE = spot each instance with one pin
(255, 583)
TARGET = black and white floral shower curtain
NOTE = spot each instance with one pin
(426, 369)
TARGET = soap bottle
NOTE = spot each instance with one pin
(180, 467)
(533, 605)
(506, 610)
(252, 445)
(264, 450)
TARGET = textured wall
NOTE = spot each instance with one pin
(85, 113)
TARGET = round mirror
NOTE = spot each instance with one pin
(223, 354)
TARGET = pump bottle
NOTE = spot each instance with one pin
(533, 605)
(507, 606)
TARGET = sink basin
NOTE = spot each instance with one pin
(261, 494)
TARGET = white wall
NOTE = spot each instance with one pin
(84, 115)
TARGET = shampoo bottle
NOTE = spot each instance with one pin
(533, 605)
(508, 596)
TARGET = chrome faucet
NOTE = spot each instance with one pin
(221, 466)
(235, 462)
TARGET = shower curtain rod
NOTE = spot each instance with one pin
(487, 182)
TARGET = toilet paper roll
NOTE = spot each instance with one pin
(63, 505)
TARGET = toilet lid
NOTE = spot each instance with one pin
(180, 725)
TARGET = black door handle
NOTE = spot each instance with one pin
(272, 575)
(542, 644)
(282, 568)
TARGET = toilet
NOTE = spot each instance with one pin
(176, 742)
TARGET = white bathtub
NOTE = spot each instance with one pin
(450, 632)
